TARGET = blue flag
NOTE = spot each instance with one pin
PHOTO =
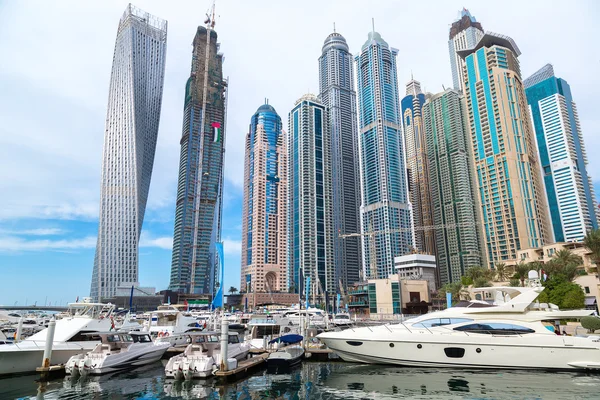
(218, 299)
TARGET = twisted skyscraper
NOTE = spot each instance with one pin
(132, 118)
(336, 83)
(200, 186)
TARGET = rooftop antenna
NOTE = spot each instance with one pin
(373, 22)
(334, 27)
(411, 75)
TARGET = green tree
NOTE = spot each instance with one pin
(515, 282)
(590, 323)
(501, 272)
(521, 270)
(457, 290)
(233, 290)
(475, 272)
(564, 264)
(565, 294)
(592, 242)
(481, 282)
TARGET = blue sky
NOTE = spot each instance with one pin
(54, 75)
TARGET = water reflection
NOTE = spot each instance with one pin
(313, 380)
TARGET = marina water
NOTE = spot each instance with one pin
(316, 380)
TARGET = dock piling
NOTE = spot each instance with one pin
(19, 333)
(49, 341)
(224, 343)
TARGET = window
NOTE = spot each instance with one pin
(428, 323)
(587, 290)
(495, 329)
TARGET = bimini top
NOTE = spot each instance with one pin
(374, 37)
(335, 41)
(265, 108)
(492, 39)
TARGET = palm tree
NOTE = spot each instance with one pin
(457, 290)
(232, 290)
(475, 272)
(522, 269)
(501, 272)
(564, 263)
(592, 242)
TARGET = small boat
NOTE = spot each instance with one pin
(117, 351)
(284, 359)
(203, 354)
(342, 320)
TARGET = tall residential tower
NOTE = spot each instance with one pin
(514, 213)
(310, 221)
(569, 188)
(464, 34)
(264, 210)
(458, 243)
(132, 118)
(200, 185)
(417, 166)
(385, 209)
(336, 83)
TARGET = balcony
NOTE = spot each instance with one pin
(357, 292)
(358, 304)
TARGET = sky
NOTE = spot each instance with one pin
(54, 75)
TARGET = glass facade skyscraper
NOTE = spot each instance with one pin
(264, 209)
(514, 213)
(417, 166)
(464, 34)
(200, 186)
(458, 245)
(336, 83)
(563, 158)
(310, 221)
(132, 119)
(385, 209)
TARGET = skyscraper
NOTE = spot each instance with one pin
(417, 166)
(464, 34)
(336, 84)
(200, 184)
(132, 118)
(451, 182)
(310, 221)
(569, 188)
(264, 215)
(510, 190)
(385, 209)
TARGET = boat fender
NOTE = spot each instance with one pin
(188, 340)
(214, 369)
(166, 334)
(160, 334)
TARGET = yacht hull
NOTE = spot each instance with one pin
(25, 357)
(493, 353)
(121, 361)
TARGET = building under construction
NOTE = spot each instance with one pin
(200, 185)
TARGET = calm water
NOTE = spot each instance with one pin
(336, 380)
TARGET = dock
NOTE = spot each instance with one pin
(243, 367)
(53, 371)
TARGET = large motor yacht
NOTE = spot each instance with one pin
(117, 351)
(70, 338)
(169, 324)
(511, 331)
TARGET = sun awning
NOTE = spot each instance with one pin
(590, 301)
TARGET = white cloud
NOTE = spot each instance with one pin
(232, 246)
(35, 232)
(165, 242)
(10, 244)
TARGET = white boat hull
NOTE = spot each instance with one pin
(136, 355)
(479, 352)
(25, 357)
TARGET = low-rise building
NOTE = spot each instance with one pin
(417, 267)
(387, 298)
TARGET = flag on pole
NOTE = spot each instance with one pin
(216, 131)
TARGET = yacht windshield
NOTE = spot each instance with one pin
(428, 323)
(489, 328)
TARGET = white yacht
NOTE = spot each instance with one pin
(262, 330)
(314, 316)
(117, 351)
(70, 338)
(342, 320)
(169, 324)
(202, 356)
(514, 332)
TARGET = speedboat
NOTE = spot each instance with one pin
(510, 331)
(170, 324)
(261, 331)
(284, 359)
(70, 338)
(203, 355)
(117, 351)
